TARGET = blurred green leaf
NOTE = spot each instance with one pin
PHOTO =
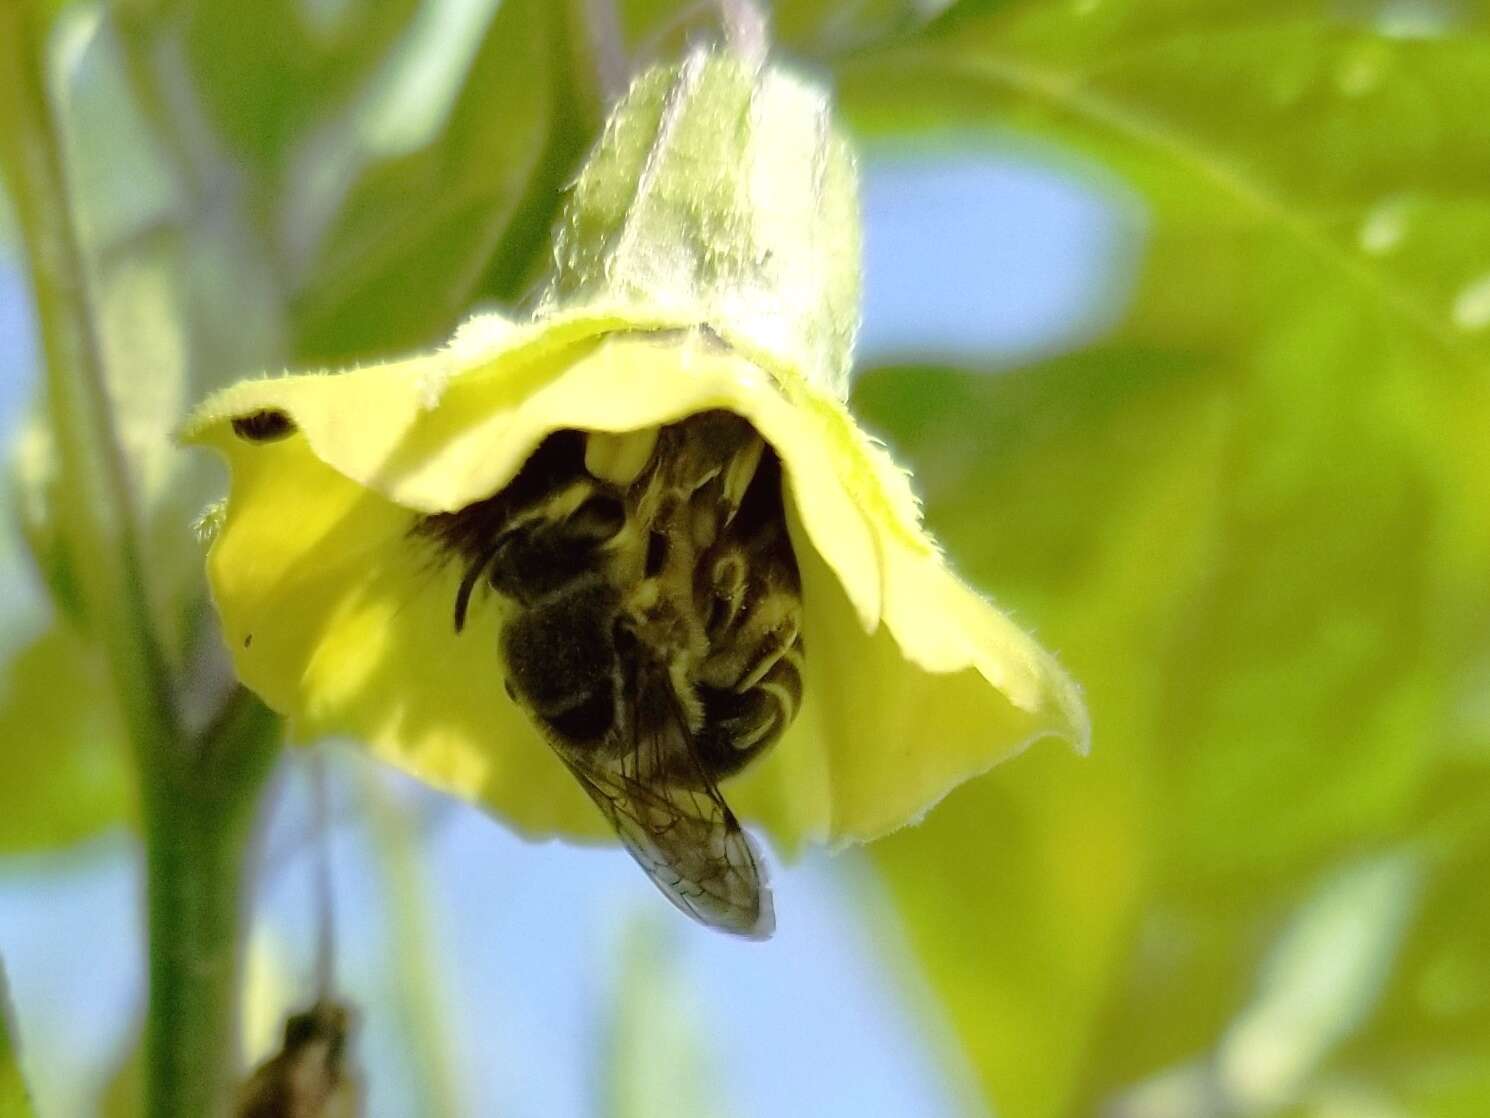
(64, 773)
(1022, 891)
(15, 1102)
(656, 1060)
(815, 28)
(390, 146)
(184, 301)
(267, 71)
(1283, 666)
(1429, 1041)
(418, 988)
(405, 199)
(381, 151)
(1244, 125)
(1320, 980)
(122, 1091)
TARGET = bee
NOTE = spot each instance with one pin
(651, 631)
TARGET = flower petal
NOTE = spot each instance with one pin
(343, 621)
(893, 720)
(338, 621)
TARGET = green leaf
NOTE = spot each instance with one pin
(1283, 676)
(266, 72)
(64, 774)
(1429, 1041)
(183, 299)
(392, 148)
(364, 230)
(1022, 890)
(1320, 979)
(428, 191)
(15, 1101)
(820, 28)
(656, 1060)
(1358, 153)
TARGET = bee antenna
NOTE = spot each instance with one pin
(472, 576)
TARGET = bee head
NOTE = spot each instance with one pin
(555, 549)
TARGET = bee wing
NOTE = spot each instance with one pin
(671, 817)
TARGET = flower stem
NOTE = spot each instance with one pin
(196, 792)
(98, 514)
(196, 855)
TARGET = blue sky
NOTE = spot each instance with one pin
(973, 256)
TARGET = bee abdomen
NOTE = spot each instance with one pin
(740, 725)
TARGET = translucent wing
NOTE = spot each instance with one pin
(672, 819)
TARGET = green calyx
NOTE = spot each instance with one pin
(721, 193)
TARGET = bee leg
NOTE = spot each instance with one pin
(739, 475)
(720, 591)
(739, 725)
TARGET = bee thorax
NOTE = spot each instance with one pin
(561, 660)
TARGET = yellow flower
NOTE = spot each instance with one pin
(707, 260)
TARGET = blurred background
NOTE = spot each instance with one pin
(1180, 311)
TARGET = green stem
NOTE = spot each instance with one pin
(196, 854)
(196, 793)
(99, 523)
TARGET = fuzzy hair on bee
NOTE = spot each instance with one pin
(652, 632)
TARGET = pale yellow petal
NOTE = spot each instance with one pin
(342, 620)
(339, 621)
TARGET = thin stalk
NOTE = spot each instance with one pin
(325, 965)
(99, 521)
(196, 793)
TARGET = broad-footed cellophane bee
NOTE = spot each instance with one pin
(652, 631)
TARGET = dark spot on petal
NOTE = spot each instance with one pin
(265, 426)
(248, 640)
